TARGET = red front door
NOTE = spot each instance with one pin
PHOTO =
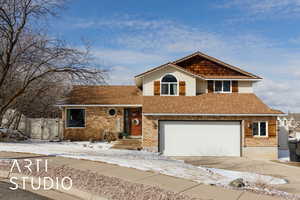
(135, 120)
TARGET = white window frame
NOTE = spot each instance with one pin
(66, 115)
(223, 87)
(169, 83)
(267, 129)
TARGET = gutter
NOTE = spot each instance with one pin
(100, 105)
(218, 115)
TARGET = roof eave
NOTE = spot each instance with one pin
(209, 114)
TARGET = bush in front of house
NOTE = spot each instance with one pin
(109, 136)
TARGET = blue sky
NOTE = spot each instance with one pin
(130, 36)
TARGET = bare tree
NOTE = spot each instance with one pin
(31, 62)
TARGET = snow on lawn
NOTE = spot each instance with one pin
(137, 159)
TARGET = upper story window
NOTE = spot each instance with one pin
(222, 86)
(169, 85)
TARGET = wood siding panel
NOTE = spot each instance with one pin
(210, 86)
(272, 128)
(235, 87)
(156, 88)
(182, 88)
(202, 66)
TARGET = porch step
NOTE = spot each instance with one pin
(130, 144)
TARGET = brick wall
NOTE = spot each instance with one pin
(97, 121)
(150, 130)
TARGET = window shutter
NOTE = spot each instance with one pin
(235, 86)
(210, 86)
(156, 87)
(272, 128)
(248, 129)
(182, 88)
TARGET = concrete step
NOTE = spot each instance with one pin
(130, 144)
(129, 141)
(128, 147)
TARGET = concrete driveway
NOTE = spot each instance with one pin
(272, 168)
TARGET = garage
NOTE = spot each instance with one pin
(200, 138)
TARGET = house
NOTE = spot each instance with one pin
(194, 106)
(289, 126)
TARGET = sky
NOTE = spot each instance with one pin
(130, 36)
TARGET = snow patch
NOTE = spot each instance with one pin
(230, 175)
(142, 160)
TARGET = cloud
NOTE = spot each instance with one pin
(265, 8)
(143, 44)
(124, 64)
(282, 94)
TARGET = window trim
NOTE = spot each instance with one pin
(214, 83)
(267, 129)
(177, 83)
(66, 118)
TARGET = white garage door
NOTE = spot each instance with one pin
(200, 138)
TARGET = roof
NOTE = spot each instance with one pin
(244, 74)
(207, 104)
(101, 95)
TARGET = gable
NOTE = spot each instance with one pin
(206, 68)
(201, 66)
(181, 75)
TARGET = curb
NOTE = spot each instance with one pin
(72, 192)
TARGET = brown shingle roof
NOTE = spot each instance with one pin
(103, 95)
(207, 104)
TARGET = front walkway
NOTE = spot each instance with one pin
(177, 185)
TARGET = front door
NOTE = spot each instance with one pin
(133, 121)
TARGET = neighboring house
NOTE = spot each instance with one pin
(195, 106)
(289, 126)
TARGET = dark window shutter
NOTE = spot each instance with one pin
(182, 88)
(235, 86)
(156, 87)
(272, 128)
(210, 86)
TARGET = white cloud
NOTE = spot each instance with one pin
(271, 8)
(283, 94)
(146, 44)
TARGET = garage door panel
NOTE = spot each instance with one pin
(200, 138)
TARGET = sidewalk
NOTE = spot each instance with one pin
(169, 183)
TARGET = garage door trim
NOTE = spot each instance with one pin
(159, 130)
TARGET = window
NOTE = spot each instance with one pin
(222, 86)
(260, 129)
(75, 118)
(169, 85)
(112, 112)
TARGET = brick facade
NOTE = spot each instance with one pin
(97, 120)
(151, 126)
